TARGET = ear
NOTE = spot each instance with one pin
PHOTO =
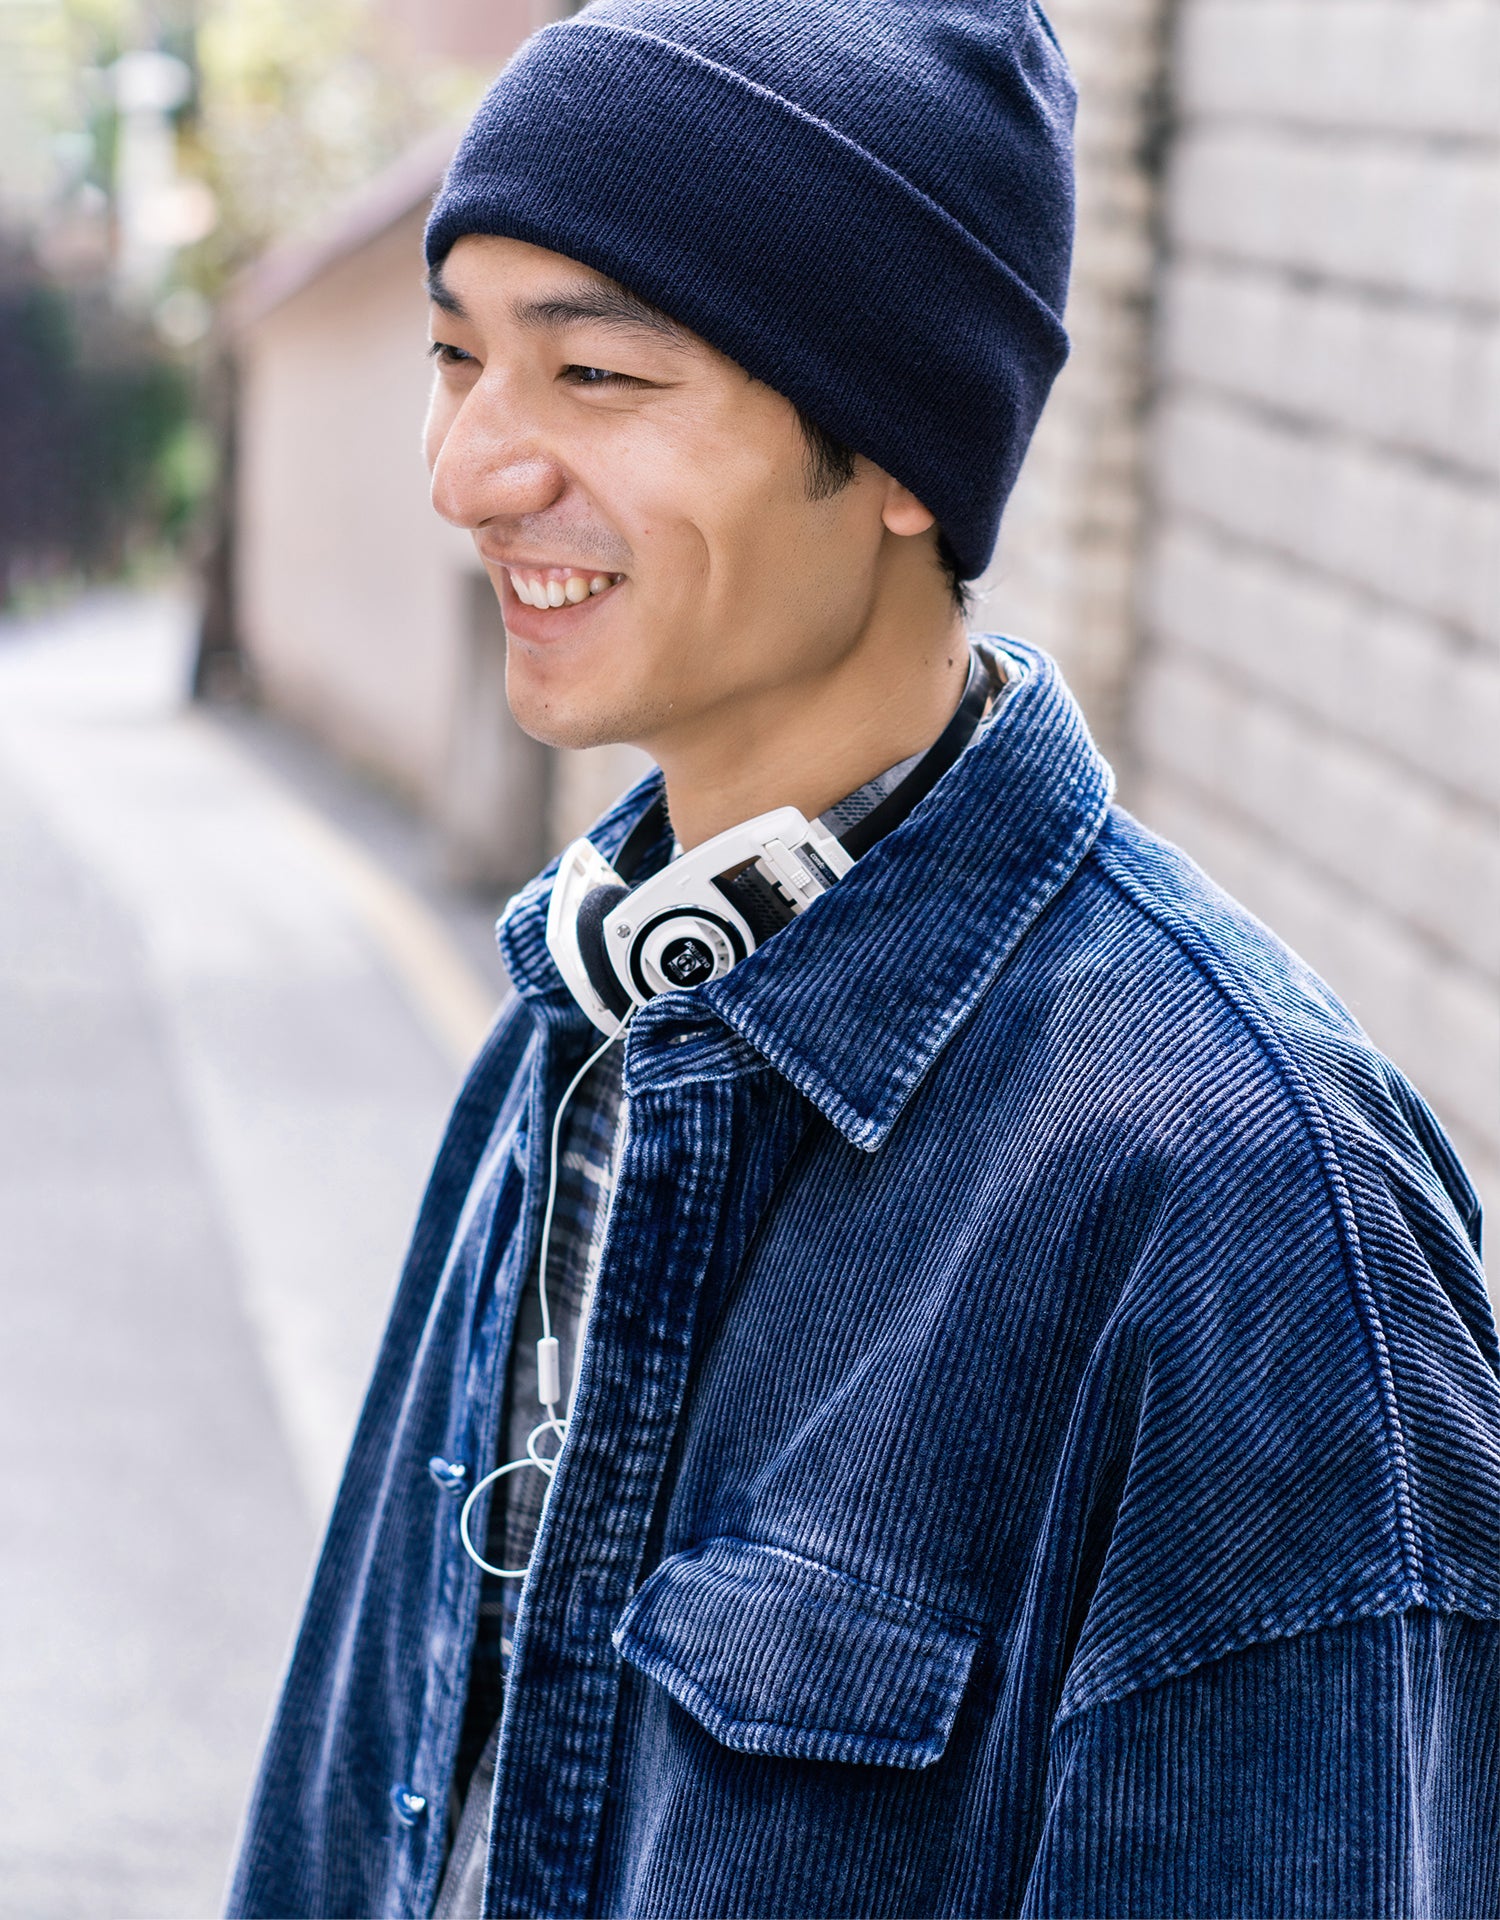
(902, 512)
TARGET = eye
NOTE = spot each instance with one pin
(446, 355)
(598, 377)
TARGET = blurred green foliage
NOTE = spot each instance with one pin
(110, 386)
(101, 459)
(299, 105)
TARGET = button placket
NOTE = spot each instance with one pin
(671, 1232)
(502, 1267)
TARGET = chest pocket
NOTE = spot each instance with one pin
(774, 1654)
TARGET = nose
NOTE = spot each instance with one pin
(488, 462)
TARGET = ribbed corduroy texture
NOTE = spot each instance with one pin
(867, 203)
(1037, 1448)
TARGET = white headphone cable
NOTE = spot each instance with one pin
(548, 1352)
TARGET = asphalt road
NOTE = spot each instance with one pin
(229, 1032)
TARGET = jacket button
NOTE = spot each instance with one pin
(409, 1806)
(449, 1474)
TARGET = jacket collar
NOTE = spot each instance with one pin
(854, 1001)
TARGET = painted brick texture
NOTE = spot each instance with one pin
(1313, 662)
(1065, 572)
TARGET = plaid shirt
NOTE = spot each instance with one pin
(590, 1145)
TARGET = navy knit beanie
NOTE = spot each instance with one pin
(867, 203)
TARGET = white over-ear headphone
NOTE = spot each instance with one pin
(618, 946)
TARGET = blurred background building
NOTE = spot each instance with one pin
(1260, 528)
(355, 609)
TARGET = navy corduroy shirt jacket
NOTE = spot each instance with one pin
(1036, 1451)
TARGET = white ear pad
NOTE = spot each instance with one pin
(581, 869)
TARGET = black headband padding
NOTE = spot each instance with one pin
(652, 827)
(597, 902)
(760, 905)
(925, 775)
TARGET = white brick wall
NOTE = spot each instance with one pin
(1065, 572)
(1350, 664)
(1422, 380)
(1260, 525)
(1388, 67)
(1319, 800)
(1315, 706)
(1421, 537)
(1393, 217)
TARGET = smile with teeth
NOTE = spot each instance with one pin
(559, 586)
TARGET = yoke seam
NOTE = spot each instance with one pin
(1247, 1638)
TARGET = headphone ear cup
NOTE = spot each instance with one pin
(596, 903)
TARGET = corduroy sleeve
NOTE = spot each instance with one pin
(1349, 1772)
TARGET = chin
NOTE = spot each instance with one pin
(550, 716)
(573, 735)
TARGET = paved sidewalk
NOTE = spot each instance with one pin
(228, 1037)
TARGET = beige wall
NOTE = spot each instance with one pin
(365, 617)
(349, 586)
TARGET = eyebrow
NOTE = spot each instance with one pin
(442, 295)
(605, 304)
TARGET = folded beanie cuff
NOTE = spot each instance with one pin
(771, 234)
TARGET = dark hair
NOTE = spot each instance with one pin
(830, 468)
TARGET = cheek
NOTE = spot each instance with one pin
(718, 512)
(658, 501)
(779, 551)
(770, 541)
(713, 502)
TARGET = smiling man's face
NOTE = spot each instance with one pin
(651, 496)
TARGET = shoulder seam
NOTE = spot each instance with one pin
(1319, 1136)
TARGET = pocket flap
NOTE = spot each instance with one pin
(775, 1654)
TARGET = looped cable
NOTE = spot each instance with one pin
(546, 1462)
(499, 1473)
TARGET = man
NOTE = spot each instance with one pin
(1006, 1360)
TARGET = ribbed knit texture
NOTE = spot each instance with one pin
(1038, 1450)
(867, 203)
